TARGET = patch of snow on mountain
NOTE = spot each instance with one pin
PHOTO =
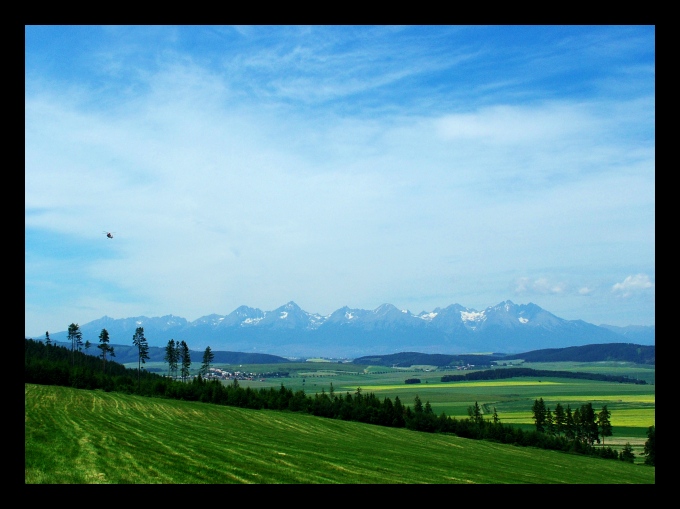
(429, 316)
(472, 316)
(349, 315)
(138, 322)
(523, 320)
(316, 320)
(284, 314)
(251, 320)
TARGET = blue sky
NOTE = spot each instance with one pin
(335, 166)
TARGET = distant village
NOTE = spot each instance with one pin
(466, 367)
(221, 374)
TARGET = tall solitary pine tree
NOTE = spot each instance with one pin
(105, 348)
(208, 357)
(143, 348)
(76, 339)
(172, 357)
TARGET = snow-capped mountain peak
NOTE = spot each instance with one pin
(291, 331)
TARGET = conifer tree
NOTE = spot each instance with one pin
(172, 357)
(208, 357)
(589, 424)
(549, 422)
(569, 425)
(475, 413)
(105, 348)
(627, 453)
(539, 414)
(76, 339)
(185, 356)
(603, 423)
(143, 352)
(559, 419)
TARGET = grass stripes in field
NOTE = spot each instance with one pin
(77, 436)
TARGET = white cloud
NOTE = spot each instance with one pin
(541, 286)
(509, 125)
(632, 284)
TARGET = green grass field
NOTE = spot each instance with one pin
(79, 436)
(632, 406)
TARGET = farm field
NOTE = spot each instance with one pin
(632, 406)
(80, 436)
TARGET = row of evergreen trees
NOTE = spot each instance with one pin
(51, 365)
(583, 426)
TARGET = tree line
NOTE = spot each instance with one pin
(50, 365)
(583, 427)
(494, 374)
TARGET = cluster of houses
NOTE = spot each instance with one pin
(221, 374)
(467, 366)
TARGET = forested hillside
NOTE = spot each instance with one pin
(406, 359)
(617, 352)
(129, 353)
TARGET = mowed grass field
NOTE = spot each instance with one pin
(79, 436)
(632, 406)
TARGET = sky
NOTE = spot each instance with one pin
(420, 166)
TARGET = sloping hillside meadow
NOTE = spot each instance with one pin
(81, 436)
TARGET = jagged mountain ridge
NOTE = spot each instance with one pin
(292, 332)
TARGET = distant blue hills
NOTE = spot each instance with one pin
(289, 331)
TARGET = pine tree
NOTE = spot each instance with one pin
(143, 349)
(475, 413)
(569, 425)
(549, 422)
(185, 356)
(178, 355)
(603, 423)
(208, 357)
(589, 424)
(171, 357)
(578, 426)
(539, 414)
(627, 453)
(417, 405)
(105, 347)
(76, 339)
(560, 419)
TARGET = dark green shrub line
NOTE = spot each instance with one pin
(493, 374)
(50, 365)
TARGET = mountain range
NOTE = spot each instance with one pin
(289, 331)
